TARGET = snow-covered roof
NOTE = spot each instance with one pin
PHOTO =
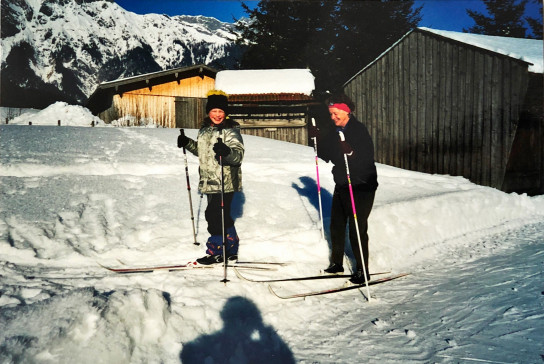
(528, 50)
(235, 82)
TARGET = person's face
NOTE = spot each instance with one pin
(216, 116)
(339, 117)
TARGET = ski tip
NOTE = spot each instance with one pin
(105, 267)
(271, 290)
(237, 273)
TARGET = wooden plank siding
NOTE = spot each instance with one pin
(294, 133)
(190, 112)
(439, 106)
(157, 102)
(284, 126)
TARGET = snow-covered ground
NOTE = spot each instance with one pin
(73, 198)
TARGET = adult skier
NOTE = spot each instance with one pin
(359, 149)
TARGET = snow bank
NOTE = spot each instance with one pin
(68, 115)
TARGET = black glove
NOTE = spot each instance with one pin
(220, 149)
(313, 132)
(182, 139)
(346, 148)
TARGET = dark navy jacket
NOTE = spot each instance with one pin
(361, 163)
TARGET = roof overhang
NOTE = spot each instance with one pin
(102, 97)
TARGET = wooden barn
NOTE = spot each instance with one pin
(272, 103)
(459, 104)
(166, 97)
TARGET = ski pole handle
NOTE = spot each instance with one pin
(314, 131)
(181, 137)
(344, 145)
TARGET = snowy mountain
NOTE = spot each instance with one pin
(62, 49)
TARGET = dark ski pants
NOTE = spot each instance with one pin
(214, 214)
(341, 213)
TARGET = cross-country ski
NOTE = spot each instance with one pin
(304, 278)
(335, 290)
(189, 266)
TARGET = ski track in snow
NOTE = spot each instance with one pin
(75, 197)
(446, 314)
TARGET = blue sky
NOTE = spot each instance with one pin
(438, 14)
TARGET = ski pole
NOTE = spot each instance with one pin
(318, 184)
(224, 280)
(342, 138)
(182, 132)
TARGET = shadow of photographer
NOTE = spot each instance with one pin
(243, 339)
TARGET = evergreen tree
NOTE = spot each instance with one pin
(283, 34)
(536, 23)
(367, 28)
(333, 38)
(505, 19)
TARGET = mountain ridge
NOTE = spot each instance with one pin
(61, 50)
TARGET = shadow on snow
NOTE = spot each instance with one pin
(244, 338)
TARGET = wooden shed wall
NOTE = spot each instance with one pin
(291, 130)
(190, 111)
(157, 102)
(435, 106)
(285, 127)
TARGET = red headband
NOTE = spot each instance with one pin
(343, 107)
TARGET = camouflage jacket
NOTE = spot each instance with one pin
(210, 170)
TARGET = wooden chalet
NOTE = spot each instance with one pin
(459, 104)
(166, 97)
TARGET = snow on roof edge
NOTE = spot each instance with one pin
(527, 50)
(265, 81)
(535, 57)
